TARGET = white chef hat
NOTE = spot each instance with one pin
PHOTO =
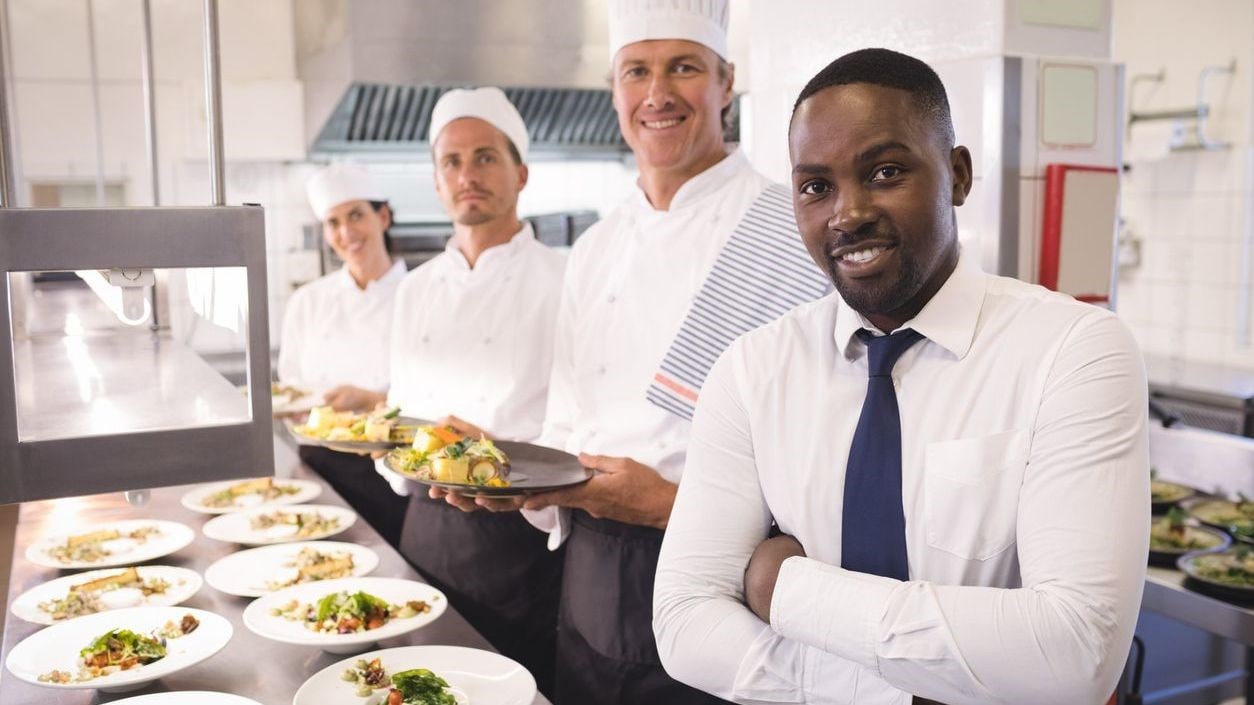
(700, 21)
(488, 104)
(340, 183)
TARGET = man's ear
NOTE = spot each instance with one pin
(960, 170)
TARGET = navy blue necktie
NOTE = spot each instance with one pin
(873, 525)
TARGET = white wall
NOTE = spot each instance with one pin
(1190, 209)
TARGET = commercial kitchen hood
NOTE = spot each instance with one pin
(563, 123)
(373, 69)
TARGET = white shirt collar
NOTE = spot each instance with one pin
(392, 276)
(948, 320)
(699, 186)
(493, 256)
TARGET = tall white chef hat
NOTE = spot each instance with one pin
(340, 183)
(700, 21)
(488, 104)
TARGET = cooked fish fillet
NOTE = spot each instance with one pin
(261, 484)
(130, 576)
(329, 567)
(103, 535)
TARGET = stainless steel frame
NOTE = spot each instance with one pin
(184, 451)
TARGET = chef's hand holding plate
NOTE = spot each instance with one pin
(349, 398)
(622, 489)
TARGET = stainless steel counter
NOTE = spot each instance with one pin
(1166, 594)
(264, 670)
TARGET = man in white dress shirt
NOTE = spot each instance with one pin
(630, 281)
(472, 339)
(336, 330)
(1010, 555)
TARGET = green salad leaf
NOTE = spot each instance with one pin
(420, 686)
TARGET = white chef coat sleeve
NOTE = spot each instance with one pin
(290, 338)
(706, 636)
(1082, 534)
(562, 406)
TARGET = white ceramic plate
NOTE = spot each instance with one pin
(245, 573)
(236, 527)
(187, 697)
(258, 618)
(173, 536)
(195, 499)
(57, 647)
(183, 584)
(476, 677)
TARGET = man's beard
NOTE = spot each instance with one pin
(474, 216)
(882, 297)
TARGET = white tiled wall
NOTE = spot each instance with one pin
(1191, 210)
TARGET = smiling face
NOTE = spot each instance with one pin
(669, 95)
(874, 187)
(476, 176)
(354, 230)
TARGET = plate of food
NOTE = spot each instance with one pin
(442, 457)
(287, 399)
(112, 544)
(1243, 531)
(344, 616)
(266, 525)
(421, 675)
(1165, 495)
(81, 594)
(187, 697)
(1219, 512)
(259, 571)
(1174, 535)
(235, 495)
(356, 432)
(1228, 574)
(118, 650)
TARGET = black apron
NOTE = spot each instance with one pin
(606, 652)
(354, 478)
(497, 572)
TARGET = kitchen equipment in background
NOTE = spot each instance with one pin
(1204, 396)
(417, 242)
(128, 408)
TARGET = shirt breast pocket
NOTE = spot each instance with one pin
(971, 493)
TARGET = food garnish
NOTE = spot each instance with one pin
(263, 486)
(1173, 534)
(348, 613)
(368, 676)
(327, 424)
(307, 523)
(313, 565)
(85, 598)
(88, 548)
(419, 686)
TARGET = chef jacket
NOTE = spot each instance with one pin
(336, 333)
(630, 281)
(478, 343)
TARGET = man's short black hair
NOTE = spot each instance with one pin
(890, 69)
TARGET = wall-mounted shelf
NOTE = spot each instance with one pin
(1197, 114)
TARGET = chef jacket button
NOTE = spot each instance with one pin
(487, 341)
(611, 299)
(426, 339)
(601, 370)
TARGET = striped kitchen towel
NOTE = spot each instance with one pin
(762, 272)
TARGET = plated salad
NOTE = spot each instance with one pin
(313, 565)
(441, 454)
(382, 425)
(348, 613)
(121, 650)
(90, 547)
(308, 524)
(1232, 568)
(265, 488)
(1171, 533)
(1223, 513)
(93, 596)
